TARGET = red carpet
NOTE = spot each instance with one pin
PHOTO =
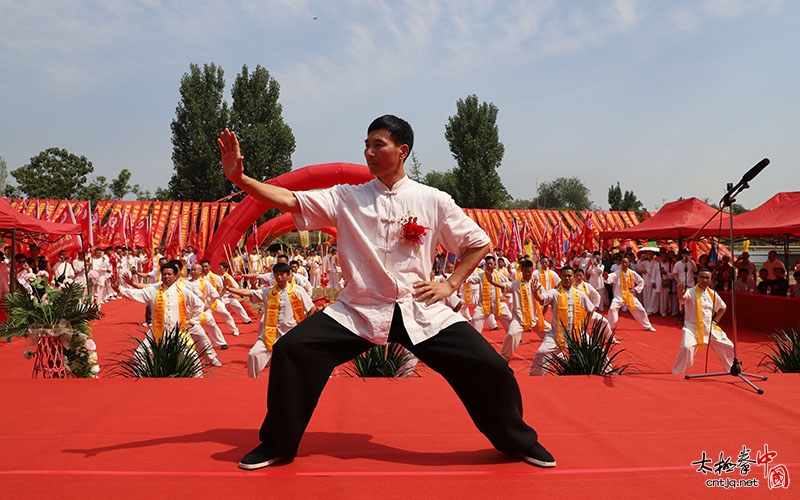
(630, 436)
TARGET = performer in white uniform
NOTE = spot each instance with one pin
(626, 284)
(569, 307)
(491, 300)
(388, 231)
(523, 311)
(700, 324)
(166, 298)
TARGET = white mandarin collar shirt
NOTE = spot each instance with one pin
(380, 270)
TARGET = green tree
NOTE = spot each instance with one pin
(564, 193)
(625, 202)
(443, 181)
(53, 173)
(199, 118)
(267, 142)
(475, 143)
(117, 189)
(3, 174)
(415, 170)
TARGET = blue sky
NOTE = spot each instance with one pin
(670, 98)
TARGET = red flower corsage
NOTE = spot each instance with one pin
(410, 231)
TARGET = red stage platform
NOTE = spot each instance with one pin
(629, 436)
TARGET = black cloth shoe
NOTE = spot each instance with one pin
(223, 347)
(539, 456)
(258, 458)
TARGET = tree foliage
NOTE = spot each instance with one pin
(3, 174)
(474, 141)
(562, 194)
(625, 202)
(117, 189)
(415, 169)
(443, 181)
(266, 140)
(199, 118)
(53, 173)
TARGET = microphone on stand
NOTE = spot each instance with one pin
(747, 177)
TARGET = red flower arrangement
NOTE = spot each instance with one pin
(410, 231)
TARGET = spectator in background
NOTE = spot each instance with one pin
(773, 263)
(744, 282)
(743, 262)
(764, 283)
(794, 290)
(780, 285)
(723, 281)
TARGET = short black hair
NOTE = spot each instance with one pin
(526, 263)
(281, 267)
(567, 268)
(225, 265)
(171, 265)
(399, 129)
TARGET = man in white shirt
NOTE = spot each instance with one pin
(206, 292)
(576, 305)
(523, 311)
(773, 263)
(292, 307)
(388, 230)
(491, 299)
(63, 272)
(700, 324)
(627, 284)
(168, 314)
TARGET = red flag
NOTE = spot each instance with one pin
(173, 246)
(114, 230)
(140, 234)
(588, 233)
(70, 243)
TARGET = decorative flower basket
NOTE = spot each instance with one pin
(56, 323)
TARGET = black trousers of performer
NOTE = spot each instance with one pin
(303, 360)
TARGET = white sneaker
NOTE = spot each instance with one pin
(651, 329)
(216, 362)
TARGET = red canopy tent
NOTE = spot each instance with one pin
(30, 229)
(778, 217)
(676, 220)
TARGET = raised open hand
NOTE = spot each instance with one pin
(231, 155)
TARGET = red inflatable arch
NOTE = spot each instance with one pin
(245, 214)
(275, 227)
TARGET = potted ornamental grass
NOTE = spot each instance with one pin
(783, 351)
(587, 350)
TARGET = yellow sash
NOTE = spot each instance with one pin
(161, 307)
(527, 316)
(627, 296)
(217, 283)
(467, 293)
(544, 279)
(698, 305)
(486, 295)
(562, 313)
(273, 308)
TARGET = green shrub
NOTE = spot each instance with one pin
(589, 352)
(390, 360)
(783, 352)
(171, 356)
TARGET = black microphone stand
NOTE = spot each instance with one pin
(736, 367)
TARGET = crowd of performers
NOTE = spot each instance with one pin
(521, 295)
